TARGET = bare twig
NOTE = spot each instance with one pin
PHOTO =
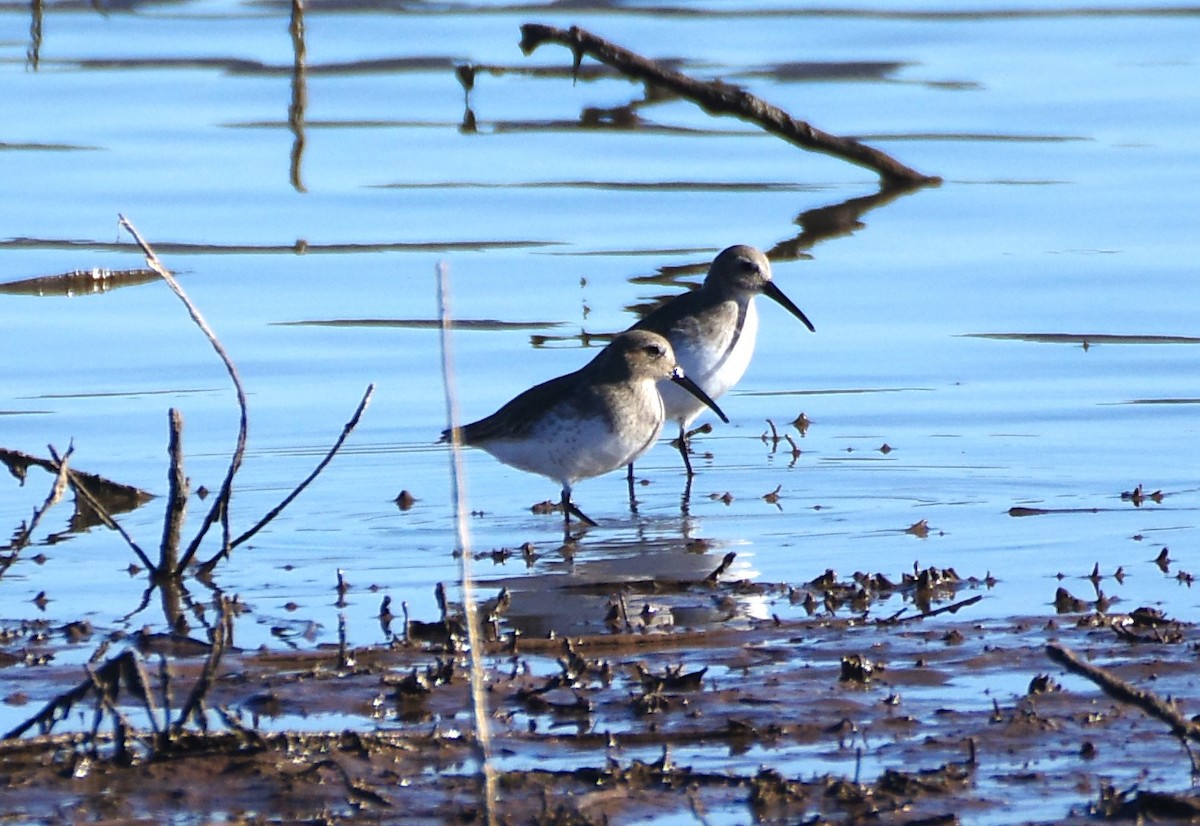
(55, 495)
(712, 578)
(220, 507)
(945, 609)
(1126, 692)
(347, 429)
(474, 633)
(104, 682)
(221, 636)
(102, 513)
(287, 500)
(719, 98)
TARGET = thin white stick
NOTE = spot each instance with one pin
(483, 731)
(220, 508)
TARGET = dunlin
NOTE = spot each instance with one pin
(712, 330)
(592, 421)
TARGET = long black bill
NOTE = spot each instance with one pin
(775, 294)
(687, 384)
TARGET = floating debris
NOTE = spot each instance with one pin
(918, 529)
(79, 282)
(1067, 603)
(1137, 496)
(772, 498)
(1163, 560)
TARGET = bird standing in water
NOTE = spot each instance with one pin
(712, 331)
(587, 423)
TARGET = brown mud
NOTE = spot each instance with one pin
(919, 718)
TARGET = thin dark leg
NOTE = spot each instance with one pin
(568, 508)
(683, 451)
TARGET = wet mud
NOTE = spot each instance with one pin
(921, 716)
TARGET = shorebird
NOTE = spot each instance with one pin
(712, 330)
(587, 423)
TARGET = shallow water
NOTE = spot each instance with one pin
(1023, 335)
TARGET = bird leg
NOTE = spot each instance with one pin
(568, 508)
(682, 442)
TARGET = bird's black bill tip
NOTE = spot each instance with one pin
(687, 384)
(775, 294)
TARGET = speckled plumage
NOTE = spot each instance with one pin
(713, 330)
(589, 422)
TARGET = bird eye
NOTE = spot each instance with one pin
(747, 265)
(653, 350)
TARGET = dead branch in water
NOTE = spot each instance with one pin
(95, 504)
(25, 533)
(220, 507)
(171, 565)
(287, 500)
(719, 98)
(177, 482)
(1126, 692)
(194, 706)
(953, 608)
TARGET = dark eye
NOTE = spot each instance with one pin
(747, 265)
(653, 350)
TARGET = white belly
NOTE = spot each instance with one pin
(716, 364)
(570, 448)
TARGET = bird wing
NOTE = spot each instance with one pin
(667, 317)
(515, 419)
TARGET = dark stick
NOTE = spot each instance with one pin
(194, 705)
(176, 500)
(945, 609)
(25, 535)
(712, 578)
(1126, 692)
(287, 500)
(720, 98)
(106, 518)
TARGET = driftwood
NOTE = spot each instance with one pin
(1126, 692)
(720, 98)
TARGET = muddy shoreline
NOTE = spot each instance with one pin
(935, 719)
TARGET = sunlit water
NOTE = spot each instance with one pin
(1070, 151)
